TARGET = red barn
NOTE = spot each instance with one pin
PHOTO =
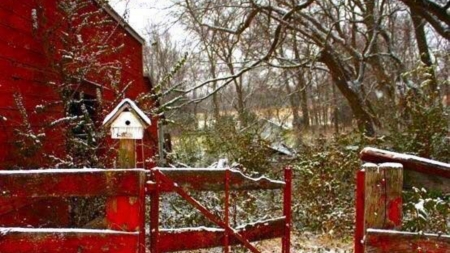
(61, 60)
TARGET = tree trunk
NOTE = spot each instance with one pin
(342, 79)
(295, 105)
(335, 111)
(301, 88)
(215, 99)
(422, 44)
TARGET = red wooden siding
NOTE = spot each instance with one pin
(25, 69)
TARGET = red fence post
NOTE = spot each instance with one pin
(287, 199)
(142, 215)
(154, 212)
(118, 209)
(227, 211)
(359, 204)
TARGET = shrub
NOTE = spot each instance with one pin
(324, 186)
(426, 211)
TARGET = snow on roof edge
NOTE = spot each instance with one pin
(133, 105)
(121, 21)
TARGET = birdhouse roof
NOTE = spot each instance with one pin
(123, 105)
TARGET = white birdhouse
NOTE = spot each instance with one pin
(127, 121)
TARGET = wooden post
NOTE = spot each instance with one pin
(359, 203)
(142, 245)
(122, 213)
(127, 154)
(287, 199)
(227, 211)
(383, 196)
(154, 212)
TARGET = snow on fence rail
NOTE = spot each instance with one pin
(207, 179)
(379, 204)
(71, 183)
(419, 172)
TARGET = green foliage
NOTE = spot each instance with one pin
(324, 186)
(242, 145)
(423, 122)
(188, 150)
(224, 139)
(426, 211)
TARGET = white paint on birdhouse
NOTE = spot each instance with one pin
(127, 121)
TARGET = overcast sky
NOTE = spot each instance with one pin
(139, 13)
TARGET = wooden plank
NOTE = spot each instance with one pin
(409, 162)
(287, 210)
(70, 182)
(21, 53)
(359, 214)
(171, 240)
(383, 200)
(42, 213)
(9, 205)
(18, 7)
(26, 240)
(11, 19)
(123, 212)
(388, 241)
(212, 180)
(393, 179)
(373, 213)
(19, 71)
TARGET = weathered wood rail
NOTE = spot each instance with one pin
(418, 171)
(379, 202)
(72, 183)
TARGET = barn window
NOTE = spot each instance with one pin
(80, 127)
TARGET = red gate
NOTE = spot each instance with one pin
(177, 180)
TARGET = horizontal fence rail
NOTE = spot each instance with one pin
(378, 240)
(409, 162)
(197, 238)
(206, 179)
(71, 183)
(19, 187)
(27, 240)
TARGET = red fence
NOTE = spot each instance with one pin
(72, 183)
(181, 181)
(130, 185)
(379, 202)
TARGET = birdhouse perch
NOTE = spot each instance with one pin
(127, 121)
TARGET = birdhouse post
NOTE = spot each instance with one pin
(127, 123)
